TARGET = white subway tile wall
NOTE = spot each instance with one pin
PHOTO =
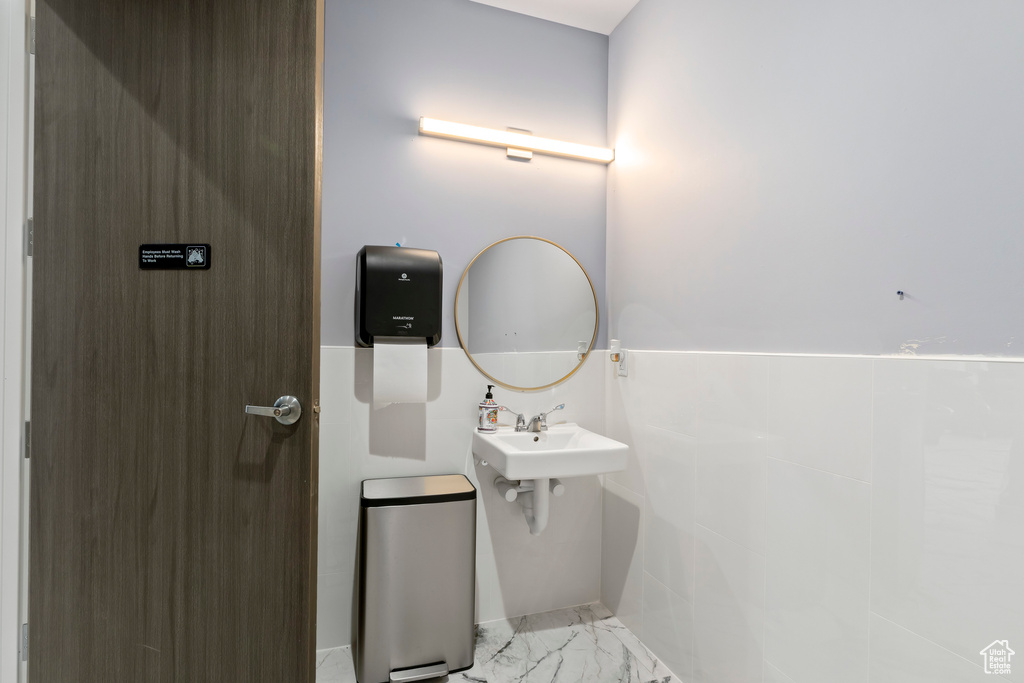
(517, 573)
(799, 519)
(783, 519)
(732, 447)
(668, 627)
(728, 610)
(902, 656)
(816, 583)
(622, 555)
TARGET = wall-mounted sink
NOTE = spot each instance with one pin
(564, 450)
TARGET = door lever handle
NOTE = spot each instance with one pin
(285, 410)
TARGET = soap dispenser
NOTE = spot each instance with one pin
(488, 412)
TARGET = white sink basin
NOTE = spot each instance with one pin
(564, 450)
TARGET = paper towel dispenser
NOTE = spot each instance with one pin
(398, 294)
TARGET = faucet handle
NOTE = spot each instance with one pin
(544, 416)
(520, 418)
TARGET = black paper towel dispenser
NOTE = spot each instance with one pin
(398, 294)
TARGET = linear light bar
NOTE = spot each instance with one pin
(508, 139)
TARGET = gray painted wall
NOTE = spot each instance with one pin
(388, 62)
(784, 168)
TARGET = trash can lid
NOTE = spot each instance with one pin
(416, 490)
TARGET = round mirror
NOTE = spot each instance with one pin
(526, 313)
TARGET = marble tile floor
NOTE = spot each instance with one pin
(585, 643)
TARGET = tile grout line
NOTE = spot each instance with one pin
(931, 642)
(722, 536)
(603, 490)
(667, 588)
(643, 565)
(671, 431)
(643, 504)
(818, 469)
(701, 372)
(688, 604)
(871, 516)
(787, 676)
(643, 526)
(642, 463)
(764, 606)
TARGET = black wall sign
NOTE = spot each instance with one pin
(174, 256)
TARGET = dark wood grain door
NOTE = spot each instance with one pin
(172, 535)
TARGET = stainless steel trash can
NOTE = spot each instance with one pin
(417, 578)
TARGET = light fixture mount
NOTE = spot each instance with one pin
(518, 153)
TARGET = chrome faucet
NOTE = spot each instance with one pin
(520, 419)
(539, 422)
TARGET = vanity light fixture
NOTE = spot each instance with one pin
(514, 141)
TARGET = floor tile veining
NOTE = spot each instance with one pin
(583, 643)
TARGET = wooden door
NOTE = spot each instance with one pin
(173, 537)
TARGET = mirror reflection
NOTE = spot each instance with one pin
(525, 312)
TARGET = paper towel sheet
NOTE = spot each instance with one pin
(399, 370)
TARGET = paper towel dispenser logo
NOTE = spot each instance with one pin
(402, 317)
(404, 278)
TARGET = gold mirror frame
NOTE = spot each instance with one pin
(593, 338)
